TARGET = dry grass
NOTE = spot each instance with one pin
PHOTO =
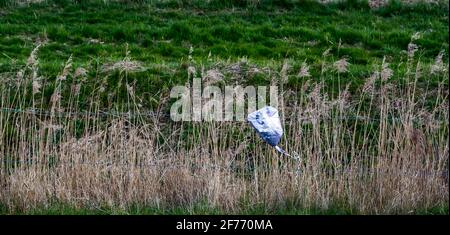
(391, 157)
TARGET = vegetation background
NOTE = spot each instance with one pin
(85, 95)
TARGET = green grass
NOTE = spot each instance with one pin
(161, 33)
(202, 209)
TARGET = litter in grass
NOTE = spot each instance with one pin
(266, 122)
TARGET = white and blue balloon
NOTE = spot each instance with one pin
(266, 122)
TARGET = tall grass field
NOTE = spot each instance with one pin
(85, 100)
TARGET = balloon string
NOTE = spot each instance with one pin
(279, 149)
(294, 156)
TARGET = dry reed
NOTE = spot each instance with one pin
(391, 156)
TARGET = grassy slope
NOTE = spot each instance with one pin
(160, 34)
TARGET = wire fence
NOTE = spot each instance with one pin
(108, 163)
(151, 114)
(243, 171)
